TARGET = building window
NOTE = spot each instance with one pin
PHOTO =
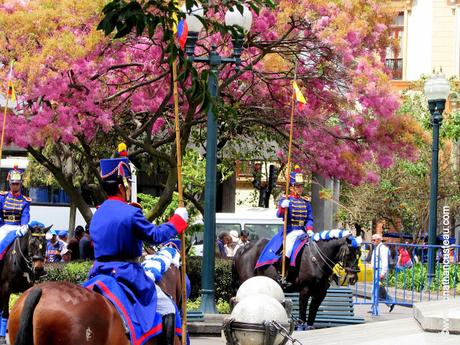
(394, 61)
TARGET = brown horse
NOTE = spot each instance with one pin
(55, 313)
(311, 274)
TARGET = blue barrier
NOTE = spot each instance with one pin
(60, 197)
(39, 194)
(405, 285)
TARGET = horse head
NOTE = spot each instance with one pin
(349, 255)
(36, 247)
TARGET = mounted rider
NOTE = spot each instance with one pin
(14, 211)
(118, 230)
(300, 221)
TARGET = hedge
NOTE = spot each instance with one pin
(73, 272)
(77, 272)
(222, 277)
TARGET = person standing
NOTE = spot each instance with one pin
(242, 241)
(85, 246)
(74, 243)
(380, 262)
(54, 248)
(223, 240)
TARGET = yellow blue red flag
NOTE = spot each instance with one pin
(180, 29)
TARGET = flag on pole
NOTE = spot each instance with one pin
(180, 29)
(11, 92)
(182, 33)
(298, 95)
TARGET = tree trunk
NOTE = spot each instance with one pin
(72, 219)
(65, 183)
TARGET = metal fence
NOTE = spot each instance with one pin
(400, 281)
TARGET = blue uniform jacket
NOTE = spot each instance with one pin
(299, 218)
(117, 230)
(14, 209)
(299, 213)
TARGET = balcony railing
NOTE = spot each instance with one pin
(395, 65)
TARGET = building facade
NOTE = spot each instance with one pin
(427, 33)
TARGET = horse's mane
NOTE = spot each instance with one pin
(327, 235)
(157, 264)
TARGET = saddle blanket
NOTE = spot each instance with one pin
(270, 254)
(141, 327)
(7, 237)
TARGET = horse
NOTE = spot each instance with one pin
(311, 274)
(22, 265)
(55, 313)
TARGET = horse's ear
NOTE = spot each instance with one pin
(47, 228)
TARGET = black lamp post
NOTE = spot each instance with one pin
(436, 90)
(214, 60)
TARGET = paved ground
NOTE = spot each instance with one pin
(397, 327)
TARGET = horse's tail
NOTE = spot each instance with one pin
(25, 332)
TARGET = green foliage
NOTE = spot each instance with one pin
(72, 272)
(223, 307)
(222, 276)
(451, 126)
(417, 277)
(194, 304)
(148, 202)
(37, 175)
(124, 17)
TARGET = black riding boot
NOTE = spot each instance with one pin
(169, 328)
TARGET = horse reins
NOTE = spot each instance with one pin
(29, 262)
(329, 263)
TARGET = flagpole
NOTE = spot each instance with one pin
(3, 129)
(4, 113)
(181, 203)
(288, 173)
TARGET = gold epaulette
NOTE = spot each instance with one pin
(306, 198)
(3, 192)
(27, 198)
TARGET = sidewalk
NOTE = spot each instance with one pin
(397, 315)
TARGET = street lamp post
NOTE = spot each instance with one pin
(436, 90)
(214, 60)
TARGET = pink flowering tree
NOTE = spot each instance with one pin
(83, 102)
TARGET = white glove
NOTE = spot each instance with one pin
(285, 203)
(182, 212)
(22, 230)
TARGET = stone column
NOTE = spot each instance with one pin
(322, 209)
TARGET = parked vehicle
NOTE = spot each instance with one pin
(259, 222)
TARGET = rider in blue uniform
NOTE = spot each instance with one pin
(300, 221)
(14, 212)
(117, 230)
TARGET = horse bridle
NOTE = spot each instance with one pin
(342, 253)
(29, 262)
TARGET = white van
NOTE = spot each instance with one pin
(259, 222)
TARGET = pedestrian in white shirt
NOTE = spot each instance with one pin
(380, 263)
